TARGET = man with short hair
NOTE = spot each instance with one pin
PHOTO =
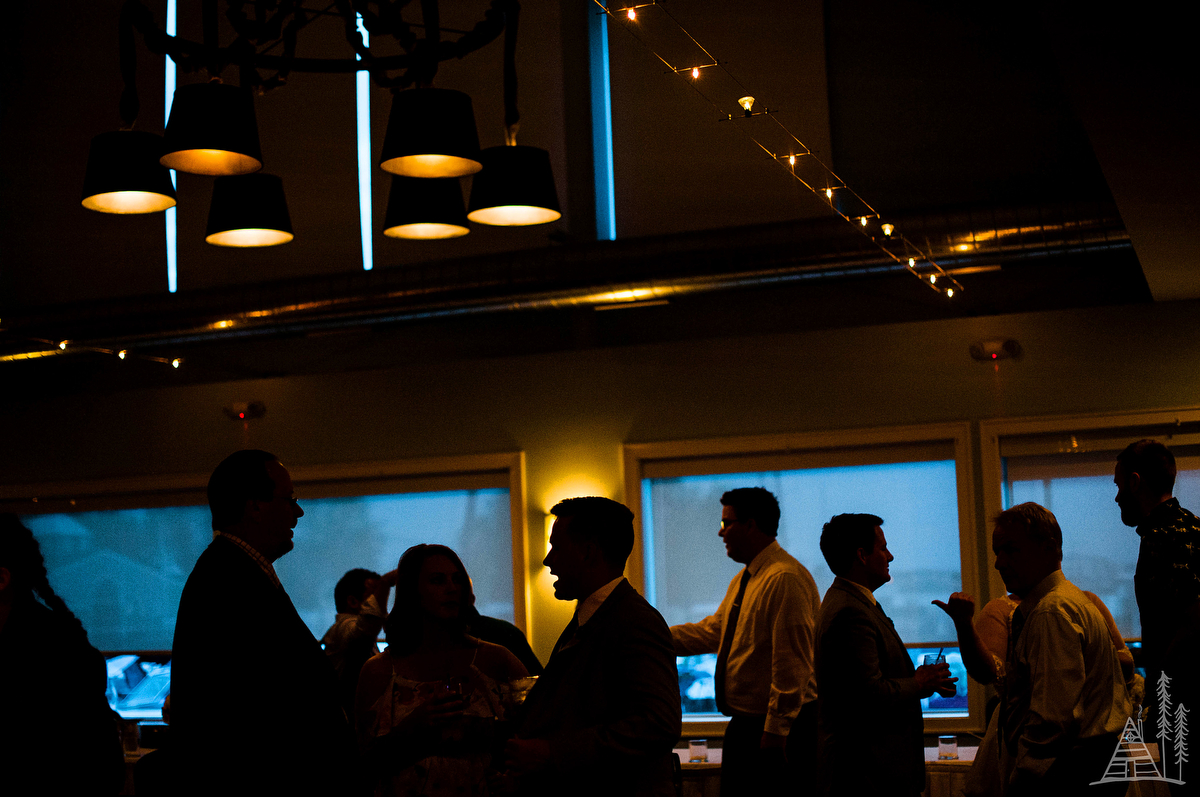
(763, 636)
(605, 715)
(253, 698)
(361, 598)
(1063, 700)
(1167, 579)
(870, 729)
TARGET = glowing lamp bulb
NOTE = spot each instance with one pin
(911, 262)
(746, 102)
(631, 13)
(695, 72)
(949, 293)
(933, 279)
(176, 362)
(863, 220)
(62, 345)
(122, 354)
(829, 193)
(888, 229)
(791, 160)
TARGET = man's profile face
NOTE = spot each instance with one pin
(277, 517)
(1022, 560)
(566, 560)
(736, 534)
(1127, 500)
(877, 561)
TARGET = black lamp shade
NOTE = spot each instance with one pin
(124, 176)
(212, 131)
(515, 188)
(425, 209)
(431, 133)
(248, 210)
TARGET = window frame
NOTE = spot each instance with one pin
(387, 477)
(635, 457)
(1167, 425)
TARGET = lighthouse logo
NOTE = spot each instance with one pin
(1131, 760)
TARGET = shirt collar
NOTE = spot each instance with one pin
(765, 556)
(857, 588)
(589, 605)
(253, 553)
(1158, 515)
(1028, 602)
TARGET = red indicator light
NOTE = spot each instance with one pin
(243, 415)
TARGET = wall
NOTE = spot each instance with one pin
(571, 412)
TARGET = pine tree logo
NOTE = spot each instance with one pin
(1131, 760)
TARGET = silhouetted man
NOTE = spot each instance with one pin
(1167, 579)
(870, 729)
(253, 697)
(1063, 700)
(763, 636)
(605, 715)
(361, 598)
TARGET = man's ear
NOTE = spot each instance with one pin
(5, 578)
(1134, 481)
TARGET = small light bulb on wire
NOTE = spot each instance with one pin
(176, 362)
(695, 72)
(829, 193)
(62, 345)
(791, 160)
(864, 221)
(631, 13)
(933, 279)
(949, 293)
(911, 262)
(747, 103)
(888, 229)
(122, 354)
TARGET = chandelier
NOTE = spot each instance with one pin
(431, 138)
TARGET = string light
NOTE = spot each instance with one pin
(631, 13)
(888, 229)
(695, 72)
(121, 354)
(829, 193)
(949, 293)
(911, 262)
(933, 279)
(176, 362)
(63, 345)
(864, 221)
(792, 160)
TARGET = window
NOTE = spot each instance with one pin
(122, 569)
(1066, 465)
(914, 478)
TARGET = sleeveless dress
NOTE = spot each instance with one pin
(461, 756)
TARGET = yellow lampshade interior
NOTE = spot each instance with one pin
(249, 237)
(426, 231)
(124, 202)
(212, 162)
(513, 215)
(431, 166)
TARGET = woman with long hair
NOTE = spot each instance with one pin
(58, 729)
(427, 706)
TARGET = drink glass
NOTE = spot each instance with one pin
(698, 751)
(938, 658)
(947, 748)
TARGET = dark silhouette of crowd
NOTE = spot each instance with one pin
(822, 694)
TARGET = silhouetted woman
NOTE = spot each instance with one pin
(427, 706)
(58, 734)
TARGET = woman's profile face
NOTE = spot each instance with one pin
(441, 587)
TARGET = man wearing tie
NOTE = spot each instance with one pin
(870, 729)
(605, 715)
(763, 637)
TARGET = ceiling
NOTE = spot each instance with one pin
(1057, 147)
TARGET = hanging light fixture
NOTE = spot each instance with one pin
(212, 131)
(431, 133)
(124, 176)
(425, 209)
(515, 188)
(248, 210)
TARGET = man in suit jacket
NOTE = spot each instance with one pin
(870, 730)
(253, 698)
(605, 715)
